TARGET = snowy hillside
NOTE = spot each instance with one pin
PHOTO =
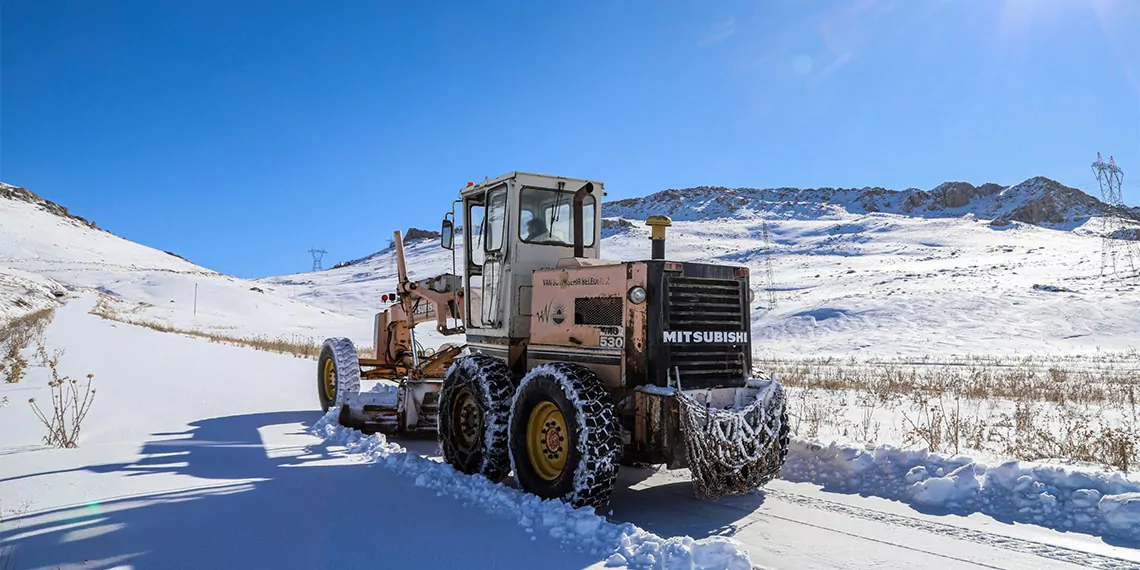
(188, 440)
(855, 272)
(45, 252)
(860, 272)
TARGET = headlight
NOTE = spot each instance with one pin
(637, 295)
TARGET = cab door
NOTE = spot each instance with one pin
(486, 249)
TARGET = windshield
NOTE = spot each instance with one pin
(546, 217)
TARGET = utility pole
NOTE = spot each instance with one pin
(767, 279)
(1117, 233)
(317, 255)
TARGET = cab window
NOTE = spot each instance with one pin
(547, 217)
(473, 237)
(496, 219)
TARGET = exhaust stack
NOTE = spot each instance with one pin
(657, 225)
(579, 200)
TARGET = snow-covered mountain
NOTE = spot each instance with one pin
(1039, 201)
(868, 271)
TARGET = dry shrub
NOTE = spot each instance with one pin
(811, 410)
(1081, 435)
(70, 402)
(868, 427)
(926, 426)
(16, 335)
(941, 425)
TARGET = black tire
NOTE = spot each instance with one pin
(592, 446)
(341, 355)
(474, 411)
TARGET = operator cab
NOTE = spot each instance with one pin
(514, 225)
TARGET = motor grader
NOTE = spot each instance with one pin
(572, 365)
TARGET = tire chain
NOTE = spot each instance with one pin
(720, 467)
(347, 365)
(492, 380)
(596, 412)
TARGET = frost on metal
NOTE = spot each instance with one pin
(496, 412)
(1063, 497)
(657, 390)
(620, 545)
(739, 449)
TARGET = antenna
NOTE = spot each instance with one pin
(317, 255)
(1118, 234)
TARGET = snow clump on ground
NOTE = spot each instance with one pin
(1063, 497)
(619, 545)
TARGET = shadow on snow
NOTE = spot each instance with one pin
(293, 515)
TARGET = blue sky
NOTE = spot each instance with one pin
(239, 134)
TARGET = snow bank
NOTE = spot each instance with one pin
(620, 545)
(1056, 496)
(22, 292)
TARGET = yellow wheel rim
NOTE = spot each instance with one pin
(546, 440)
(466, 420)
(330, 380)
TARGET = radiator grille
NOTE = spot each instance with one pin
(697, 304)
(702, 304)
(598, 311)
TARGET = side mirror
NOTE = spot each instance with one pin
(447, 235)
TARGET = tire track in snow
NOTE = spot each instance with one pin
(1058, 553)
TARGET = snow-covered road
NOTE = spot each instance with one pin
(795, 525)
(798, 525)
(195, 455)
(198, 455)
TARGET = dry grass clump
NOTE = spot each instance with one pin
(16, 335)
(1103, 378)
(300, 346)
(1070, 431)
(1080, 408)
